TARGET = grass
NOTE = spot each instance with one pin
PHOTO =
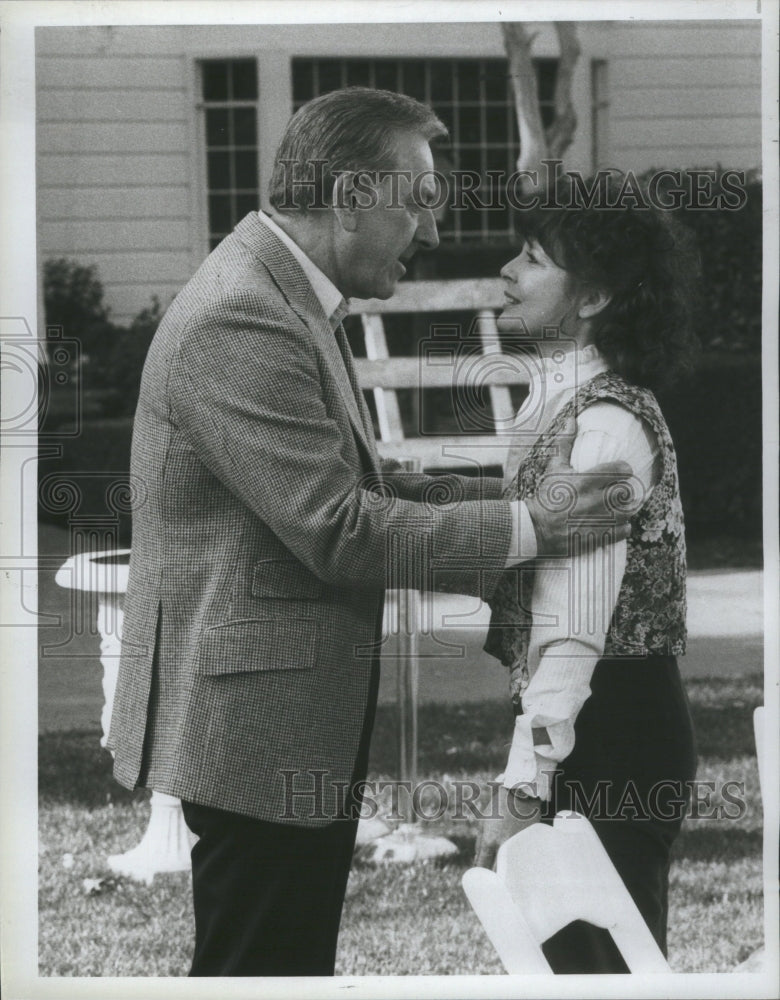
(398, 919)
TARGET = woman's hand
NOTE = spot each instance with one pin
(508, 814)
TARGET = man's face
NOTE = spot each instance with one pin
(373, 256)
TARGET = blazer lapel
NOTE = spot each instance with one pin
(294, 285)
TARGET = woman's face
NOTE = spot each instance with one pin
(538, 295)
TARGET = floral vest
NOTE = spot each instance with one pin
(649, 617)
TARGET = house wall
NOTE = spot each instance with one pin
(120, 178)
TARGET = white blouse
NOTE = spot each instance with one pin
(573, 599)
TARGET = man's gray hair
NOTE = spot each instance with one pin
(346, 130)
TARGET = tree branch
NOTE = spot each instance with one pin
(533, 145)
(561, 132)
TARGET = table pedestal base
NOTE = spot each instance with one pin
(165, 847)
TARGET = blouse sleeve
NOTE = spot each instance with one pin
(572, 607)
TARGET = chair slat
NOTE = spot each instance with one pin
(388, 412)
(410, 373)
(468, 295)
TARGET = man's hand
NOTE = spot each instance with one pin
(508, 815)
(607, 495)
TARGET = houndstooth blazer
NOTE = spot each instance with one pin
(264, 536)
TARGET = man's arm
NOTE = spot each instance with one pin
(247, 393)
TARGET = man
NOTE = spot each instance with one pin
(267, 534)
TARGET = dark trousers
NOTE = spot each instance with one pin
(633, 756)
(268, 896)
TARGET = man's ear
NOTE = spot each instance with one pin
(345, 202)
(593, 302)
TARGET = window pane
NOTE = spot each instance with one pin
(496, 124)
(302, 79)
(244, 127)
(386, 74)
(414, 78)
(471, 159)
(441, 80)
(246, 169)
(244, 80)
(330, 75)
(358, 73)
(498, 159)
(468, 81)
(218, 171)
(215, 80)
(246, 203)
(468, 117)
(496, 82)
(220, 221)
(217, 127)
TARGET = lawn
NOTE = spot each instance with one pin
(398, 919)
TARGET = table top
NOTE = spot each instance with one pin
(99, 572)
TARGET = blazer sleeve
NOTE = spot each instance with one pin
(444, 489)
(247, 394)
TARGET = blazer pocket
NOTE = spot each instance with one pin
(258, 645)
(285, 578)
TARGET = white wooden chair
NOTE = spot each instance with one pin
(384, 374)
(546, 877)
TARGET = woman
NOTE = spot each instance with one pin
(602, 721)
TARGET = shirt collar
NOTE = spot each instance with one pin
(329, 297)
(568, 369)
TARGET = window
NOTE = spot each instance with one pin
(229, 105)
(599, 110)
(473, 97)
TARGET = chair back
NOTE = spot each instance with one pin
(548, 876)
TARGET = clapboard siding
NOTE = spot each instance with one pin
(635, 73)
(110, 41)
(683, 132)
(709, 102)
(151, 268)
(138, 73)
(645, 40)
(115, 164)
(113, 137)
(71, 203)
(113, 105)
(702, 157)
(685, 94)
(103, 235)
(109, 168)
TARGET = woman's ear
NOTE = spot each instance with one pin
(345, 202)
(593, 302)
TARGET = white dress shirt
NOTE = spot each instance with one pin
(573, 599)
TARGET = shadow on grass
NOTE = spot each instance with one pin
(73, 768)
(719, 841)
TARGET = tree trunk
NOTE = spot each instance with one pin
(536, 143)
(533, 144)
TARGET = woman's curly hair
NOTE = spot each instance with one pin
(649, 265)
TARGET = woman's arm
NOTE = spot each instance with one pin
(572, 606)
